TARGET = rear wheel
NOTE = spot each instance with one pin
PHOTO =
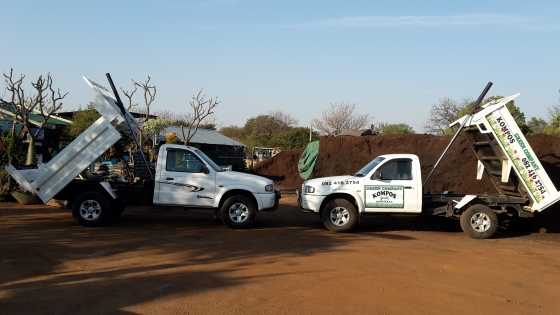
(479, 221)
(339, 215)
(239, 212)
(92, 209)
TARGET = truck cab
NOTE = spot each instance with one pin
(186, 176)
(387, 184)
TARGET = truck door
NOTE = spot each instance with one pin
(392, 188)
(185, 180)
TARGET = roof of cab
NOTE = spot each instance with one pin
(400, 156)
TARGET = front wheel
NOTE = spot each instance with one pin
(479, 221)
(339, 215)
(239, 212)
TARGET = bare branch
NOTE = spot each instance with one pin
(150, 92)
(284, 118)
(45, 100)
(54, 104)
(340, 117)
(129, 94)
(444, 113)
(202, 108)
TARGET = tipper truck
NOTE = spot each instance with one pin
(392, 183)
(184, 175)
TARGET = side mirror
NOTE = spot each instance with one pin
(378, 175)
(204, 169)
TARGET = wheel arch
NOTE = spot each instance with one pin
(233, 192)
(77, 188)
(340, 195)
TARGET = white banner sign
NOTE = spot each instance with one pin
(524, 160)
(384, 196)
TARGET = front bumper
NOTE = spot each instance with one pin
(308, 202)
(269, 202)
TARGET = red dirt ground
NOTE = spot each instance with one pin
(176, 262)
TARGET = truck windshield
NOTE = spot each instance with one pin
(368, 167)
(209, 161)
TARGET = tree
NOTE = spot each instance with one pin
(294, 138)
(340, 117)
(536, 125)
(271, 130)
(393, 129)
(154, 127)
(441, 115)
(45, 100)
(81, 121)
(149, 94)
(129, 95)
(264, 126)
(283, 117)
(448, 111)
(202, 108)
(515, 111)
(234, 132)
(553, 126)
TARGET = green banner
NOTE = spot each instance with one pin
(308, 160)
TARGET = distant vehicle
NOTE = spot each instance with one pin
(184, 176)
(393, 183)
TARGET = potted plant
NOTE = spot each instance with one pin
(24, 197)
(5, 187)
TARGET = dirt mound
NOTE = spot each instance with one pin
(345, 155)
(283, 168)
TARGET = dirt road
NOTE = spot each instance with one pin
(158, 262)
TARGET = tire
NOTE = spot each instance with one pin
(339, 215)
(239, 212)
(92, 209)
(479, 222)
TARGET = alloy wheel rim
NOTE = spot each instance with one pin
(238, 212)
(481, 222)
(90, 210)
(339, 216)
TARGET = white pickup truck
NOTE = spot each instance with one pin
(184, 177)
(392, 183)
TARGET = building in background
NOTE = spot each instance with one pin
(48, 139)
(224, 151)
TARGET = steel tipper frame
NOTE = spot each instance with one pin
(51, 178)
(523, 186)
(501, 148)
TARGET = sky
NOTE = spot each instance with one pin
(393, 59)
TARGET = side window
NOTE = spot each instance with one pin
(397, 169)
(182, 161)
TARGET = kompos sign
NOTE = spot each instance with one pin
(384, 196)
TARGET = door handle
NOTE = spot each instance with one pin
(169, 178)
(407, 187)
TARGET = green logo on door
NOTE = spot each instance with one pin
(384, 196)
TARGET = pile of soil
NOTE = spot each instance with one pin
(456, 173)
(282, 168)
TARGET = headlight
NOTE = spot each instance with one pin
(309, 189)
(269, 188)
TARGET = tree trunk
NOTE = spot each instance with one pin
(30, 151)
